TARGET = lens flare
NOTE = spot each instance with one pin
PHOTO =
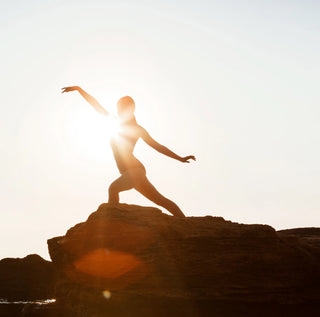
(106, 294)
(107, 263)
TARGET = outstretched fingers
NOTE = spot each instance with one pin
(70, 88)
(187, 158)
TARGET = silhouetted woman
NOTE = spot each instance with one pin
(133, 173)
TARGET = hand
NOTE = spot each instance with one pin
(71, 88)
(187, 158)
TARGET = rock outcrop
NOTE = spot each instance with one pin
(29, 278)
(137, 261)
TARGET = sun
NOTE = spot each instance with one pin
(90, 133)
(112, 126)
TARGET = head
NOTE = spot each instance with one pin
(126, 107)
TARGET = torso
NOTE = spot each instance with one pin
(123, 145)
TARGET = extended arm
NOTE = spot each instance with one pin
(93, 102)
(162, 149)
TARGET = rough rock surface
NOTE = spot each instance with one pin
(29, 278)
(137, 261)
(307, 236)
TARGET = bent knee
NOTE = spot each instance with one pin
(113, 188)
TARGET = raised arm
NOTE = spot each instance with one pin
(93, 102)
(162, 149)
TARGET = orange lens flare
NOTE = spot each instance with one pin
(105, 263)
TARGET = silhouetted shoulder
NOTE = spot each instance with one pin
(142, 131)
(145, 136)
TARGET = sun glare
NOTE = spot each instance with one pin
(90, 133)
(112, 126)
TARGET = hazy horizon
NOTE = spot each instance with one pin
(234, 83)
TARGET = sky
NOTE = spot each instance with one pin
(234, 82)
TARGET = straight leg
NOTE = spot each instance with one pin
(149, 191)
